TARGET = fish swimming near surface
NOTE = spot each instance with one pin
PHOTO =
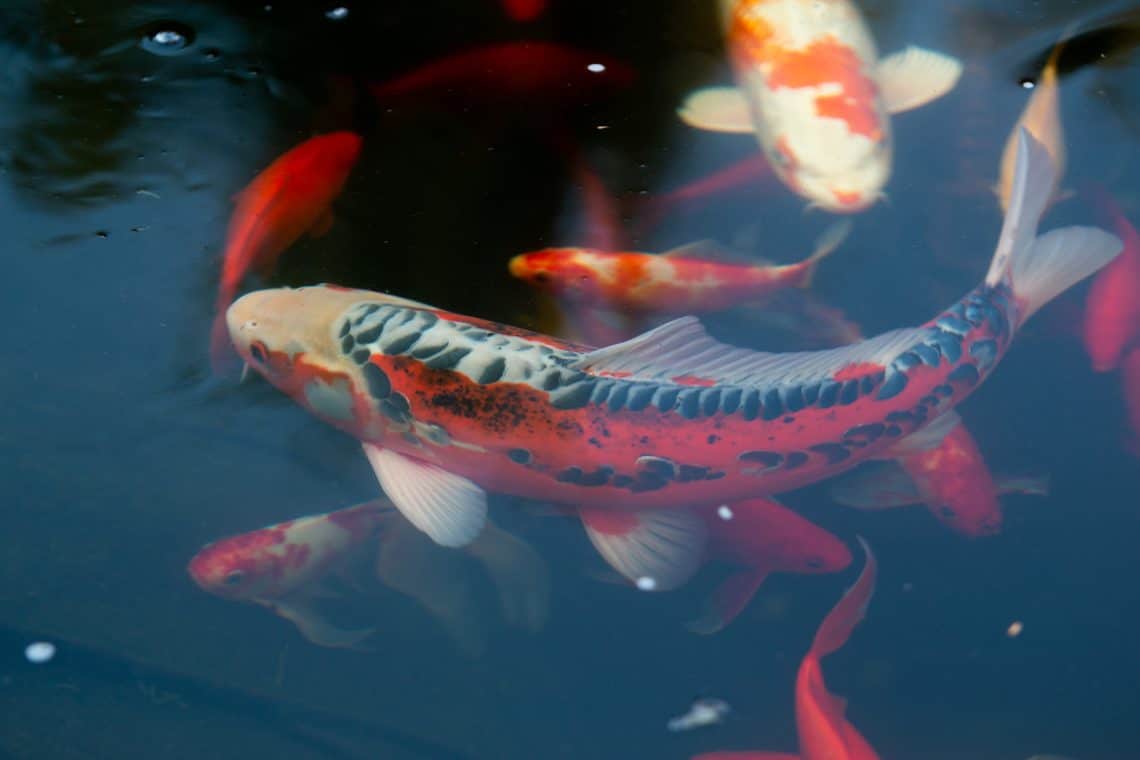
(822, 728)
(814, 92)
(684, 281)
(449, 406)
(1112, 308)
(292, 196)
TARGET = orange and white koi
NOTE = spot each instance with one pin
(290, 197)
(282, 566)
(815, 94)
(823, 730)
(684, 281)
(450, 406)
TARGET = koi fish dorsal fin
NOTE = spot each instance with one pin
(449, 508)
(658, 550)
(683, 347)
(849, 611)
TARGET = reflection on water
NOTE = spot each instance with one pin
(490, 129)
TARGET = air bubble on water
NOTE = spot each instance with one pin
(39, 652)
(166, 38)
(338, 13)
(724, 512)
(646, 583)
(1027, 84)
(596, 68)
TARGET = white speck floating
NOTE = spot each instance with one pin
(724, 512)
(338, 13)
(596, 68)
(1028, 84)
(1015, 629)
(703, 712)
(39, 652)
(645, 583)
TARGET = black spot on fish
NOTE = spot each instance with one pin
(427, 319)
(598, 477)
(570, 475)
(424, 350)
(811, 393)
(773, 407)
(520, 456)
(639, 397)
(794, 459)
(347, 344)
(849, 394)
(448, 359)
(379, 387)
(551, 380)
(750, 408)
(712, 439)
(905, 361)
(400, 345)
(393, 411)
(690, 404)
(834, 452)
(621, 481)
(954, 324)
(661, 466)
(648, 481)
(601, 391)
(964, 373)
(893, 386)
(828, 393)
(767, 459)
(984, 351)
(691, 472)
(399, 401)
(344, 329)
(573, 396)
(944, 390)
(361, 355)
(868, 383)
(730, 400)
(710, 401)
(928, 354)
(666, 398)
(930, 400)
(618, 396)
(366, 312)
(893, 431)
(793, 398)
(949, 344)
(864, 435)
(903, 417)
(493, 372)
(436, 434)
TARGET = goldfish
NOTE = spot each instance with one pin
(760, 537)
(285, 568)
(823, 731)
(448, 406)
(281, 567)
(886, 485)
(1042, 118)
(522, 73)
(292, 196)
(685, 280)
(816, 96)
(1112, 308)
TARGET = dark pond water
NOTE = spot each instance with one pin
(125, 131)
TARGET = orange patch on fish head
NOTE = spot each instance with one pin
(561, 271)
(239, 567)
(749, 35)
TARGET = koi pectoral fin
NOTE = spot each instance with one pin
(727, 601)
(449, 508)
(313, 625)
(717, 109)
(657, 550)
(916, 76)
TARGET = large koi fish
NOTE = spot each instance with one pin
(449, 407)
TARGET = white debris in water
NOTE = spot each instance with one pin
(39, 652)
(596, 68)
(703, 712)
(338, 13)
(1015, 629)
(724, 512)
(645, 583)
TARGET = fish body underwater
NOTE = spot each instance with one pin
(449, 406)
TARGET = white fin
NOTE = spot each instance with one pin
(1031, 484)
(659, 551)
(925, 438)
(448, 507)
(682, 347)
(314, 627)
(717, 109)
(1056, 261)
(914, 77)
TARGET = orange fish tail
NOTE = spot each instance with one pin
(836, 628)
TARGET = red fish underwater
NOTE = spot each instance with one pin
(1112, 309)
(291, 197)
(285, 568)
(684, 281)
(823, 730)
(450, 406)
(814, 92)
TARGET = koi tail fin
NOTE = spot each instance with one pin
(1038, 269)
(825, 245)
(836, 628)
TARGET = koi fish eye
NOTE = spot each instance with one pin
(258, 351)
(234, 577)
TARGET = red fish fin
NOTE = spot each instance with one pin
(825, 245)
(323, 224)
(727, 601)
(657, 550)
(718, 109)
(519, 575)
(448, 507)
(914, 77)
(849, 610)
